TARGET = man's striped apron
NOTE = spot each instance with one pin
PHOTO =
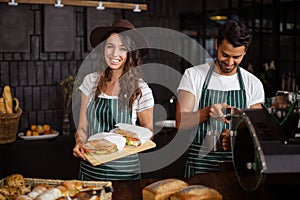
(102, 117)
(204, 161)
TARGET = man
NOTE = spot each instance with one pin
(205, 89)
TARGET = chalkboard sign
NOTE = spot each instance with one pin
(59, 29)
(14, 28)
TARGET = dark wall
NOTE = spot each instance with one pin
(34, 72)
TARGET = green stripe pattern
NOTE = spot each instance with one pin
(200, 159)
(102, 116)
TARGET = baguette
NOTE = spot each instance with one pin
(197, 192)
(163, 189)
(8, 99)
(2, 105)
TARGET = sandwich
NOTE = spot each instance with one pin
(100, 146)
(131, 137)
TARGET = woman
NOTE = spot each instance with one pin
(116, 95)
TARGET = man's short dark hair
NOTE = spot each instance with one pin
(236, 33)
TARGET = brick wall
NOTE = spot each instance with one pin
(34, 76)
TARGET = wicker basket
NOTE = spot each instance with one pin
(9, 125)
(106, 193)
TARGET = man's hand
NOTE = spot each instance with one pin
(226, 140)
(218, 112)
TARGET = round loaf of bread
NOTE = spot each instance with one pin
(197, 192)
(163, 189)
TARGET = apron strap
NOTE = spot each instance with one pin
(208, 76)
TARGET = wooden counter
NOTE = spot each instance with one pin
(53, 159)
(225, 182)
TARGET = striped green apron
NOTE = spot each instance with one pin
(102, 117)
(204, 161)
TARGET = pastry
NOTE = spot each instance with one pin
(15, 180)
(10, 192)
(46, 127)
(73, 186)
(2, 197)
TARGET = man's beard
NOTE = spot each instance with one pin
(223, 69)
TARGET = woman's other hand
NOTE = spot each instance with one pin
(78, 150)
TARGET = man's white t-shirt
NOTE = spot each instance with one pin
(194, 77)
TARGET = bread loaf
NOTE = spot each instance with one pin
(63, 190)
(23, 197)
(197, 192)
(8, 99)
(163, 189)
(37, 190)
(73, 186)
(51, 194)
(2, 105)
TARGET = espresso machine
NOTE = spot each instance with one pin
(266, 145)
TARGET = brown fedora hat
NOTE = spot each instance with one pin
(99, 34)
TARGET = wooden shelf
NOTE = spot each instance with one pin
(106, 4)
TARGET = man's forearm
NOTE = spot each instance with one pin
(186, 120)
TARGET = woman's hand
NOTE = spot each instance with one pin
(78, 150)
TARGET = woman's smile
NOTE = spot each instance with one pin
(115, 52)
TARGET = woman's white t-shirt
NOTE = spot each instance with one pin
(146, 100)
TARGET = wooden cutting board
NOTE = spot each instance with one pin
(96, 159)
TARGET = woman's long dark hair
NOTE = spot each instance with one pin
(130, 78)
